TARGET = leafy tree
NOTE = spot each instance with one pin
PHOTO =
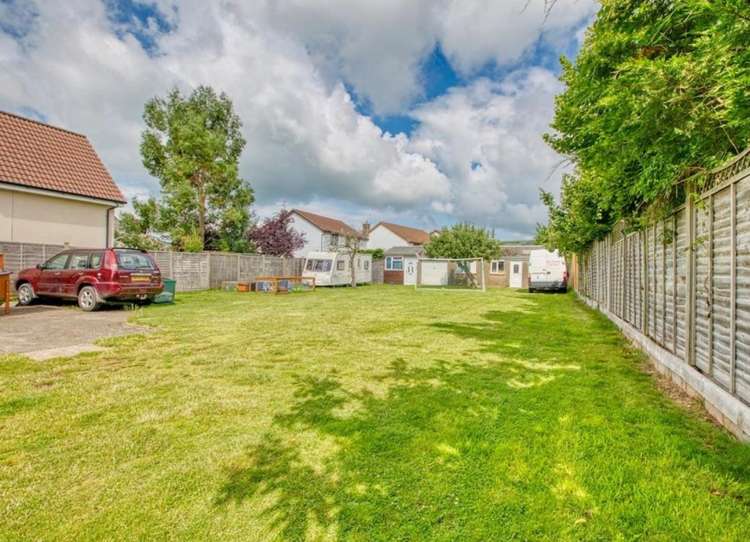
(141, 228)
(377, 253)
(275, 236)
(193, 145)
(352, 246)
(463, 241)
(656, 97)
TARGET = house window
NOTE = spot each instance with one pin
(335, 240)
(394, 263)
(340, 265)
(497, 267)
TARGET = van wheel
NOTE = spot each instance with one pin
(25, 294)
(531, 290)
(87, 299)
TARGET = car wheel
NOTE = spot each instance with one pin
(25, 294)
(87, 299)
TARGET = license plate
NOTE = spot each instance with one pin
(140, 278)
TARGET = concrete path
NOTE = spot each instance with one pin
(48, 331)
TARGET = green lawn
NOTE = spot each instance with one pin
(380, 413)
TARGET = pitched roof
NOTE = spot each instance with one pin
(37, 155)
(414, 236)
(411, 250)
(328, 225)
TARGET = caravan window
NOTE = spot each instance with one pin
(367, 265)
(320, 266)
(394, 263)
(340, 265)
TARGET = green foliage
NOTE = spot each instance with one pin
(193, 145)
(658, 94)
(377, 253)
(141, 228)
(463, 241)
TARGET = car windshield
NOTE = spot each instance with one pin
(134, 260)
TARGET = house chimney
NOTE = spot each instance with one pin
(366, 230)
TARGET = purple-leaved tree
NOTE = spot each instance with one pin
(275, 236)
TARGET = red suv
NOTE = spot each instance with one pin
(93, 277)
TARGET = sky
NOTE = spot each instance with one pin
(420, 112)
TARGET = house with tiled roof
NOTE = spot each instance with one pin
(385, 235)
(54, 189)
(321, 233)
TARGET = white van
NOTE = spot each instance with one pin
(547, 271)
(332, 268)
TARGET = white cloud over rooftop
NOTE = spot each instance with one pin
(476, 154)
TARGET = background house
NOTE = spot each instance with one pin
(386, 235)
(321, 232)
(400, 265)
(54, 189)
(512, 268)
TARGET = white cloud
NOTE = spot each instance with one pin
(486, 138)
(284, 64)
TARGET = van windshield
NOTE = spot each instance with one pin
(318, 265)
(134, 260)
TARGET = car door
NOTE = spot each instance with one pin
(77, 265)
(51, 275)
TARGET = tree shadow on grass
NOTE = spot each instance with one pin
(456, 451)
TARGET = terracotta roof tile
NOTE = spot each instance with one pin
(329, 225)
(410, 235)
(41, 156)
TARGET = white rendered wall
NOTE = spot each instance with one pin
(382, 237)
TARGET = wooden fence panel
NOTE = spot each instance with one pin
(742, 295)
(702, 273)
(684, 281)
(720, 319)
(682, 246)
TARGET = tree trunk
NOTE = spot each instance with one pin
(202, 217)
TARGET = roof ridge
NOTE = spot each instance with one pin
(39, 122)
(402, 226)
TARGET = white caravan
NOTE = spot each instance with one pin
(332, 268)
(547, 271)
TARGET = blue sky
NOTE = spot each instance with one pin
(423, 113)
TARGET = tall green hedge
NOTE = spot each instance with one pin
(659, 93)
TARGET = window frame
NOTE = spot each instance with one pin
(87, 262)
(390, 260)
(66, 257)
(497, 267)
(96, 254)
(340, 265)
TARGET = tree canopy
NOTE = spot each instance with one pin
(141, 228)
(193, 145)
(275, 235)
(657, 95)
(463, 241)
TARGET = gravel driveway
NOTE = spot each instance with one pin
(45, 331)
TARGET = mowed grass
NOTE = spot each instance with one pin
(380, 413)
